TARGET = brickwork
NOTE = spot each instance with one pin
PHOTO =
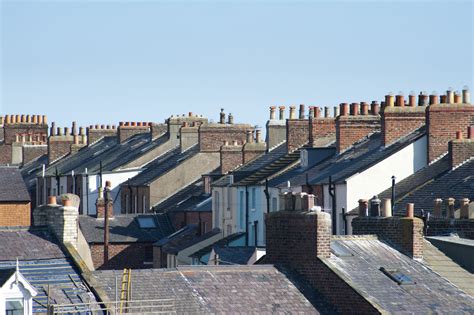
(212, 136)
(100, 208)
(129, 129)
(442, 226)
(317, 191)
(321, 127)
(59, 146)
(12, 130)
(350, 129)
(400, 121)
(128, 203)
(297, 133)
(443, 120)
(189, 136)
(158, 130)
(95, 133)
(404, 234)
(15, 214)
(460, 150)
(276, 132)
(301, 241)
(5, 154)
(31, 152)
(231, 157)
(122, 255)
(253, 150)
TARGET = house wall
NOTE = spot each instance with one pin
(182, 218)
(15, 213)
(152, 154)
(182, 175)
(123, 255)
(22, 290)
(183, 256)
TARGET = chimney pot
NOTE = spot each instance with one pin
(222, 117)
(410, 210)
(400, 100)
(364, 108)
(76, 139)
(18, 119)
(326, 112)
(459, 135)
(464, 213)
(249, 136)
(375, 207)
(344, 109)
(387, 208)
(412, 100)
(28, 119)
(7, 119)
(97, 127)
(52, 200)
(258, 135)
(451, 208)
(389, 100)
(59, 132)
(23, 119)
(437, 211)
(374, 108)
(310, 112)
(317, 112)
(272, 112)
(450, 96)
(301, 111)
(66, 131)
(44, 120)
(466, 95)
(434, 99)
(457, 97)
(335, 111)
(443, 99)
(53, 129)
(282, 112)
(292, 112)
(354, 109)
(363, 209)
(230, 119)
(190, 114)
(134, 124)
(74, 128)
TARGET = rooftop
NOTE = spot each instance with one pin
(414, 289)
(13, 187)
(184, 238)
(221, 289)
(27, 244)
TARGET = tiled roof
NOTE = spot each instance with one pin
(222, 242)
(362, 155)
(109, 151)
(417, 180)
(27, 244)
(13, 187)
(359, 262)
(162, 165)
(457, 183)
(221, 289)
(30, 170)
(125, 229)
(234, 255)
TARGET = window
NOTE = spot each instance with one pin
(146, 222)
(143, 203)
(254, 198)
(14, 307)
(241, 209)
(397, 276)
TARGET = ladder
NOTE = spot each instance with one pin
(125, 293)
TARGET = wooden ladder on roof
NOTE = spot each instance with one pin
(125, 293)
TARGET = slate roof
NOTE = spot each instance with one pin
(43, 263)
(457, 183)
(13, 187)
(359, 260)
(190, 198)
(222, 242)
(109, 151)
(30, 170)
(408, 185)
(260, 289)
(162, 165)
(362, 155)
(234, 255)
(6, 274)
(184, 238)
(125, 229)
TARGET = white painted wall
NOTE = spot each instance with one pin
(22, 290)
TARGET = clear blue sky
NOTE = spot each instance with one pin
(103, 62)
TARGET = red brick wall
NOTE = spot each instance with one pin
(406, 234)
(443, 121)
(212, 137)
(31, 152)
(11, 130)
(139, 191)
(301, 242)
(180, 219)
(93, 135)
(58, 146)
(123, 255)
(297, 133)
(125, 132)
(461, 150)
(350, 129)
(321, 127)
(231, 157)
(250, 154)
(400, 121)
(5, 154)
(15, 214)
(443, 226)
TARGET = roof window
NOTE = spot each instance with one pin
(146, 222)
(397, 276)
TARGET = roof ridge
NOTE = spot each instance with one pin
(463, 162)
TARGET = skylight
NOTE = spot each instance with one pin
(146, 222)
(397, 276)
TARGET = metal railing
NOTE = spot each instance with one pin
(159, 306)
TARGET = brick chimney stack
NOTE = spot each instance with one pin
(101, 203)
(253, 148)
(231, 156)
(297, 130)
(443, 120)
(276, 128)
(460, 149)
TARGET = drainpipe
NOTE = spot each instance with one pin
(87, 191)
(393, 194)
(267, 195)
(332, 193)
(255, 223)
(106, 225)
(344, 217)
(246, 216)
(58, 178)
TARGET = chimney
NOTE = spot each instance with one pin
(206, 183)
(464, 209)
(189, 136)
(400, 121)
(438, 208)
(231, 157)
(213, 135)
(352, 127)
(295, 235)
(59, 145)
(276, 128)
(101, 203)
(443, 120)
(96, 133)
(222, 117)
(230, 119)
(403, 233)
(129, 130)
(466, 95)
(363, 208)
(297, 130)
(251, 149)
